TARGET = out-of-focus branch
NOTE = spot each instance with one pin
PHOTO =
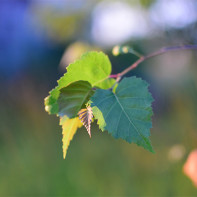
(156, 53)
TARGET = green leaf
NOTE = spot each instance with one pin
(73, 97)
(93, 67)
(127, 111)
(69, 128)
(99, 116)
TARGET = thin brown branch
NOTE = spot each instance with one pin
(156, 53)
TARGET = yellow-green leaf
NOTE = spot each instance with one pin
(69, 128)
(93, 67)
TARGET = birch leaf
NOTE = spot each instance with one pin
(69, 128)
(93, 67)
(86, 115)
(127, 111)
(73, 98)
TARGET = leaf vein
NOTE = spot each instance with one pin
(129, 118)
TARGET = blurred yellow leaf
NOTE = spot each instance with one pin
(69, 128)
(74, 51)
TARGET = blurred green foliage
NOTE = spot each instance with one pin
(31, 151)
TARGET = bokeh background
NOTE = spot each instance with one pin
(38, 39)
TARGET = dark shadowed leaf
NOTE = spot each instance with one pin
(73, 98)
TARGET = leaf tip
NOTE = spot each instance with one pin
(89, 132)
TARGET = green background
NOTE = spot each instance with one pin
(31, 158)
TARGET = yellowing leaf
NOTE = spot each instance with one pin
(69, 128)
(86, 115)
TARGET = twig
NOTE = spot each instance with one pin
(156, 53)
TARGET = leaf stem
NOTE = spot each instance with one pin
(156, 53)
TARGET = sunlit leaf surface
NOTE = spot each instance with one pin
(69, 128)
(93, 67)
